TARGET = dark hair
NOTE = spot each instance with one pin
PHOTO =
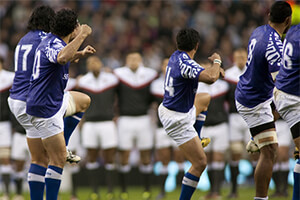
(64, 23)
(41, 18)
(280, 10)
(187, 39)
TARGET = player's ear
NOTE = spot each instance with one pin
(288, 21)
(196, 47)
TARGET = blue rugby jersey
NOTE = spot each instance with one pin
(288, 78)
(48, 79)
(264, 57)
(181, 82)
(24, 57)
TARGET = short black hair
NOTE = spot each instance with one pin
(280, 10)
(41, 18)
(187, 39)
(64, 23)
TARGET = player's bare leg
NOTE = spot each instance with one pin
(77, 105)
(193, 151)
(264, 168)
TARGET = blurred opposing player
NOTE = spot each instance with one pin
(6, 81)
(216, 128)
(238, 130)
(99, 131)
(46, 102)
(177, 112)
(255, 90)
(134, 124)
(287, 93)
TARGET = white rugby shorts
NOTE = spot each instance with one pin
(258, 115)
(54, 125)
(179, 126)
(19, 149)
(219, 137)
(238, 129)
(133, 129)
(99, 135)
(288, 106)
(18, 108)
(5, 134)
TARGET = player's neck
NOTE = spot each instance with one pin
(66, 39)
(279, 28)
(191, 54)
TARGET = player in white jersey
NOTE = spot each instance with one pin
(134, 123)
(99, 131)
(46, 102)
(6, 81)
(238, 130)
(177, 112)
(254, 90)
(287, 93)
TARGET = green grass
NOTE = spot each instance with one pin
(135, 193)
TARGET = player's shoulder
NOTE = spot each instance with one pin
(293, 33)
(233, 73)
(6, 78)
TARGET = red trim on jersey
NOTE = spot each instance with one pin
(4, 89)
(136, 87)
(158, 95)
(97, 91)
(218, 95)
(231, 81)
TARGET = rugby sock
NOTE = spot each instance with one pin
(110, 176)
(163, 174)
(234, 170)
(52, 182)
(276, 178)
(296, 190)
(218, 175)
(36, 181)
(6, 171)
(146, 171)
(284, 173)
(75, 179)
(18, 179)
(180, 174)
(70, 124)
(200, 119)
(93, 168)
(261, 198)
(123, 175)
(189, 184)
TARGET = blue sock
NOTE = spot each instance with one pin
(70, 124)
(296, 191)
(36, 181)
(200, 119)
(189, 184)
(52, 180)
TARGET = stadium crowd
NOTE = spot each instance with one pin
(147, 28)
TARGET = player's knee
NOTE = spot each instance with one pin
(200, 164)
(85, 104)
(269, 151)
(59, 159)
(266, 138)
(236, 147)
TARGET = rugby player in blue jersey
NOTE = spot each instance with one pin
(287, 93)
(46, 102)
(177, 111)
(254, 90)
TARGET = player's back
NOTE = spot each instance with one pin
(288, 78)
(181, 82)
(264, 57)
(48, 80)
(24, 59)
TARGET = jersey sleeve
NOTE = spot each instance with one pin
(274, 53)
(53, 49)
(190, 69)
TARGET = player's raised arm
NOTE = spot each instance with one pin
(212, 73)
(70, 52)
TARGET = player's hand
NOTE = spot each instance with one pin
(85, 30)
(222, 72)
(88, 50)
(214, 56)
